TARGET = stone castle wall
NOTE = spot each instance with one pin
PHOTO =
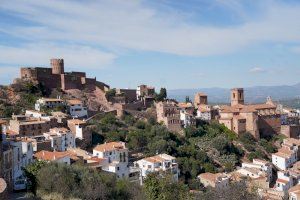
(55, 77)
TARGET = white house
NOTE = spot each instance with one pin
(35, 114)
(22, 156)
(260, 168)
(117, 155)
(61, 139)
(157, 163)
(285, 157)
(49, 103)
(187, 119)
(204, 112)
(219, 181)
(284, 181)
(56, 156)
(76, 108)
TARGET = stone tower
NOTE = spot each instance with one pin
(200, 99)
(57, 66)
(237, 96)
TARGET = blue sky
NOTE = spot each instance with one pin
(169, 43)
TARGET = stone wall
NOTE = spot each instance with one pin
(269, 125)
(291, 131)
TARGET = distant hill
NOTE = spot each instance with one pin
(252, 94)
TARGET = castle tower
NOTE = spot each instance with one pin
(237, 96)
(57, 66)
(200, 98)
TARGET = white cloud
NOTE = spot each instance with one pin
(133, 25)
(257, 70)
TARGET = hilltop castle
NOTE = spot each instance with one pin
(56, 77)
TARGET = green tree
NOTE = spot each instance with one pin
(31, 172)
(163, 187)
(162, 94)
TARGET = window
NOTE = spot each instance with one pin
(118, 168)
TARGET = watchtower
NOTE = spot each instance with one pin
(57, 66)
(237, 96)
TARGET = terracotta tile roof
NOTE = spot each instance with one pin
(204, 108)
(295, 189)
(74, 101)
(96, 160)
(284, 152)
(33, 121)
(2, 122)
(291, 141)
(210, 176)
(159, 158)
(76, 121)
(51, 156)
(282, 181)
(246, 108)
(11, 132)
(185, 105)
(61, 129)
(58, 114)
(110, 146)
(3, 185)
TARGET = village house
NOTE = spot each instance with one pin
(88, 158)
(205, 112)
(169, 114)
(22, 156)
(49, 103)
(258, 168)
(187, 114)
(55, 156)
(258, 173)
(285, 157)
(61, 139)
(117, 155)
(158, 163)
(144, 91)
(31, 126)
(7, 164)
(284, 182)
(40, 143)
(294, 192)
(220, 181)
(146, 94)
(257, 119)
(76, 108)
(294, 171)
(80, 130)
(61, 118)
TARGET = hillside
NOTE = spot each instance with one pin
(252, 94)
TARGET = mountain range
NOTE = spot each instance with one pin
(252, 94)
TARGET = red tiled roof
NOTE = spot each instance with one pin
(51, 156)
(110, 146)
